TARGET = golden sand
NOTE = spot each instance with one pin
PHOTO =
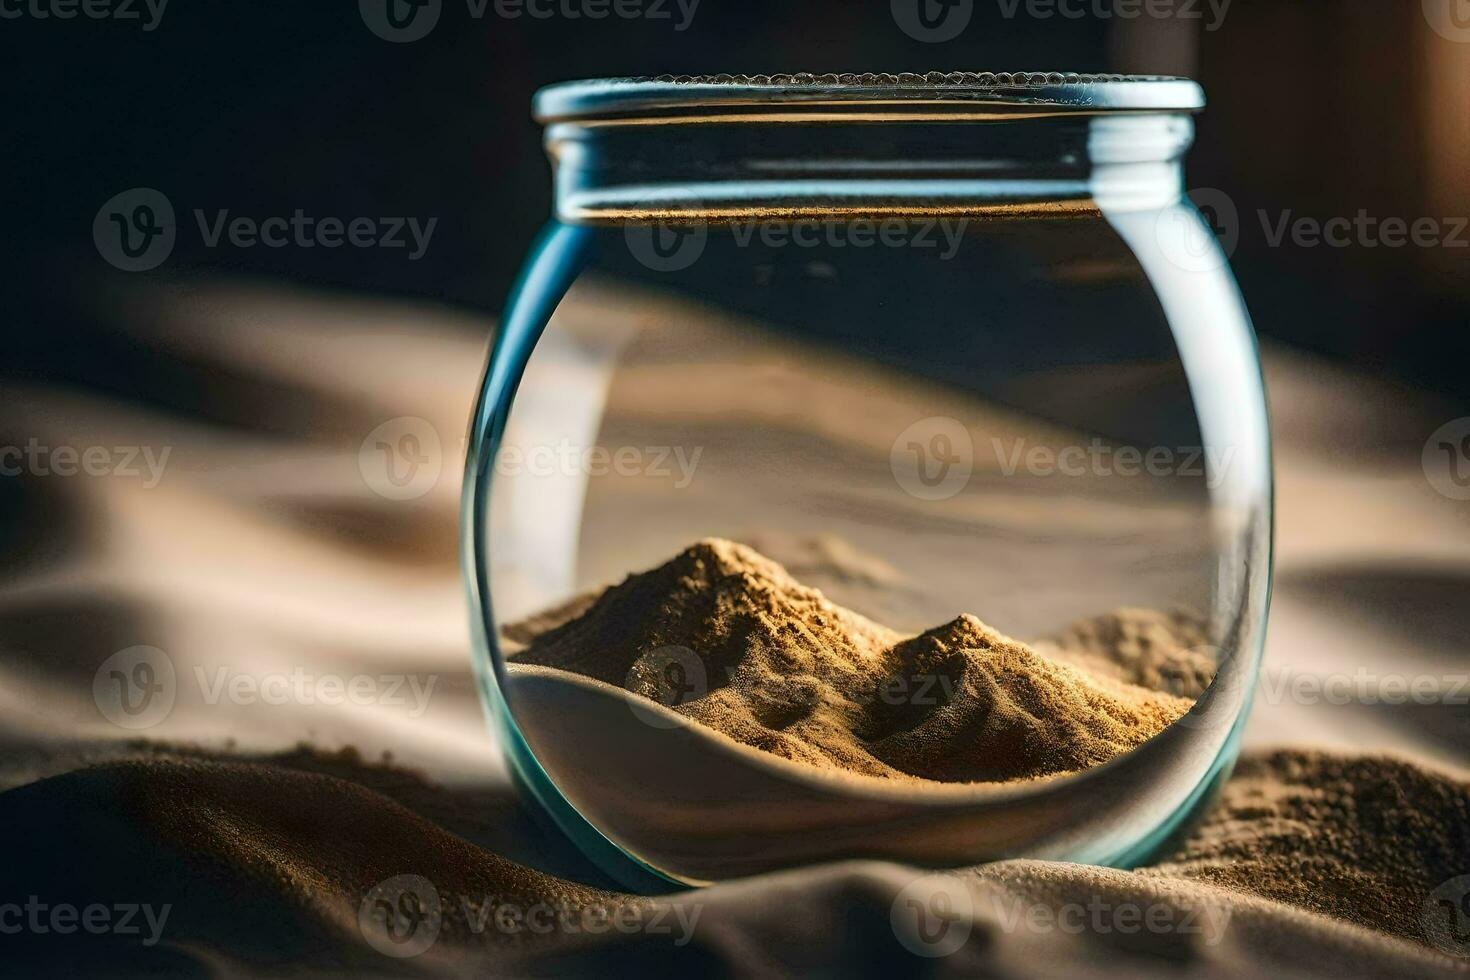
(267, 860)
(1364, 839)
(775, 665)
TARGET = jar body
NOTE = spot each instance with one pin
(1036, 415)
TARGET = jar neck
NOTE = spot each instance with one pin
(630, 170)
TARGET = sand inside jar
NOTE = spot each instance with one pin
(730, 641)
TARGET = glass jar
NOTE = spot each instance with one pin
(869, 466)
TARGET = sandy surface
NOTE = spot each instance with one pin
(264, 550)
(266, 865)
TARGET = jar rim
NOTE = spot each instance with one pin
(875, 95)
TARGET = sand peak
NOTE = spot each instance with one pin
(774, 664)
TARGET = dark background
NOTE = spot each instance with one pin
(1320, 107)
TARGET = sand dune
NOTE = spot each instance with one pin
(729, 639)
(265, 865)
